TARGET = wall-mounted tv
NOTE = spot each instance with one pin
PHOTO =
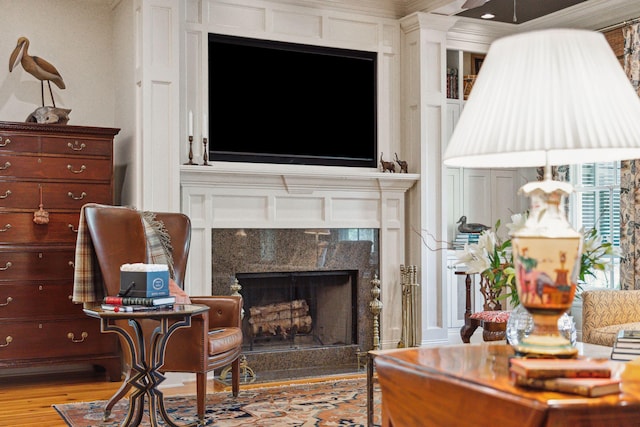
(275, 102)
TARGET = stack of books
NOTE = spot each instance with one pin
(627, 346)
(452, 83)
(127, 304)
(462, 238)
(586, 377)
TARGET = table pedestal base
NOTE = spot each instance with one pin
(144, 376)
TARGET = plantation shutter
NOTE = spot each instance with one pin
(597, 201)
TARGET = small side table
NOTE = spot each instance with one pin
(144, 375)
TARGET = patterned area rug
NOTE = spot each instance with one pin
(328, 403)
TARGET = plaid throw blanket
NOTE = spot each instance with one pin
(88, 288)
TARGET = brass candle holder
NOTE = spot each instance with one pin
(190, 162)
(204, 153)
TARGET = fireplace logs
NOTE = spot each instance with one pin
(285, 319)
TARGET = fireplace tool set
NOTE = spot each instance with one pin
(410, 303)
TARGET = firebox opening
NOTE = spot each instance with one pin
(299, 309)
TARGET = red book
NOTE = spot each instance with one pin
(560, 368)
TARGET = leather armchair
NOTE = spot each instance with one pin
(118, 237)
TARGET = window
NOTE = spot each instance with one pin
(596, 203)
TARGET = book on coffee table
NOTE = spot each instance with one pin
(623, 357)
(627, 345)
(560, 368)
(629, 336)
(590, 387)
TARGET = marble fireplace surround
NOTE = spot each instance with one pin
(239, 195)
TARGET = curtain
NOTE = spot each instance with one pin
(630, 178)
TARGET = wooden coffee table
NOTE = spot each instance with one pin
(469, 385)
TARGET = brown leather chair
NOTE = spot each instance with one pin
(118, 237)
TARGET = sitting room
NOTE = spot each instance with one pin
(315, 174)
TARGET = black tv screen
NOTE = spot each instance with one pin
(275, 102)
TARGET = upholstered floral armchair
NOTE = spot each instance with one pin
(605, 312)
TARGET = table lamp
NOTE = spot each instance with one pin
(547, 98)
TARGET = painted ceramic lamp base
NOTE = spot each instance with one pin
(546, 255)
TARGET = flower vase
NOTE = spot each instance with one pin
(520, 325)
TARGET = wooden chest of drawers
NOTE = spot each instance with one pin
(62, 167)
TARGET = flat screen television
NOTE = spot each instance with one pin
(275, 102)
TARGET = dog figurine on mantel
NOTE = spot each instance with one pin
(49, 115)
(403, 164)
(387, 166)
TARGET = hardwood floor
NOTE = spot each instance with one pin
(26, 401)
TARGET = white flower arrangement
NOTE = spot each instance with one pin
(492, 257)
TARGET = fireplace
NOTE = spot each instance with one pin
(248, 218)
(302, 288)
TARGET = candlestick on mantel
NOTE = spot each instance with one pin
(190, 124)
(190, 162)
(204, 152)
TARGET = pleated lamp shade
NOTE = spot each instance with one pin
(549, 97)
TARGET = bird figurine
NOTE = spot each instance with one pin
(37, 67)
(473, 228)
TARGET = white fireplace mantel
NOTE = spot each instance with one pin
(240, 195)
(301, 179)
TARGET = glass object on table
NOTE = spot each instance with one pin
(520, 325)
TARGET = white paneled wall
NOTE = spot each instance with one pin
(424, 113)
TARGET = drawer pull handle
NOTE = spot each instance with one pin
(75, 146)
(6, 266)
(71, 264)
(9, 299)
(5, 142)
(72, 228)
(6, 194)
(82, 169)
(6, 166)
(72, 337)
(7, 341)
(5, 228)
(74, 197)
